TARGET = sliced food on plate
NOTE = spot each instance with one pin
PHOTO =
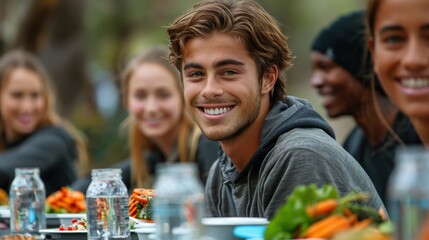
(141, 201)
(66, 200)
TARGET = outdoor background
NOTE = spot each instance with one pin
(85, 44)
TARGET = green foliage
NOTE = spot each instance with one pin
(292, 216)
(292, 220)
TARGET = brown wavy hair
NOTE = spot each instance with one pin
(188, 131)
(246, 20)
(371, 11)
(16, 59)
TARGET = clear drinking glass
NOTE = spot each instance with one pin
(408, 193)
(178, 206)
(27, 202)
(107, 205)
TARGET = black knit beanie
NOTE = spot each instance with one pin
(344, 42)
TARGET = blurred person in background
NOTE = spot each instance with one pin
(160, 129)
(233, 59)
(32, 134)
(399, 42)
(342, 70)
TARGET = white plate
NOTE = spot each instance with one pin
(234, 221)
(52, 219)
(6, 214)
(64, 218)
(223, 227)
(55, 230)
(144, 230)
(77, 235)
(66, 215)
(142, 224)
(65, 235)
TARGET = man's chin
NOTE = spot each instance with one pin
(214, 135)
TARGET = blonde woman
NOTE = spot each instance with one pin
(31, 132)
(160, 127)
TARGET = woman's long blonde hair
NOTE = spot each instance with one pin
(16, 59)
(189, 132)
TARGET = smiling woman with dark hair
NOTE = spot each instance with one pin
(342, 71)
(399, 43)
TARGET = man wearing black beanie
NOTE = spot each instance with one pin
(342, 76)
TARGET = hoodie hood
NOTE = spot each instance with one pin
(283, 117)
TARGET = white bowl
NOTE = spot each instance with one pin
(144, 233)
(222, 228)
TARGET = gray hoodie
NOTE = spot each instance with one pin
(297, 147)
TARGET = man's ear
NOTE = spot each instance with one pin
(269, 79)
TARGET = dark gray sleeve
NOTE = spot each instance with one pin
(44, 150)
(302, 166)
(211, 196)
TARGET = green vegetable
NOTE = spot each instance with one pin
(48, 209)
(145, 212)
(387, 227)
(132, 225)
(291, 219)
(363, 212)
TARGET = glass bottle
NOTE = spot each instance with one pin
(107, 205)
(27, 202)
(178, 206)
(408, 192)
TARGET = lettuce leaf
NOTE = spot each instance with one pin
(291, 219)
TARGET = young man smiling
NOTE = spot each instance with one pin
(233, 58)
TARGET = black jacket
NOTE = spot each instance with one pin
(379, 162)
(51, 149)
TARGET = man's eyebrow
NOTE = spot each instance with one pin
(228, 62)
(218, 64)
(425, 27)
(192, 65)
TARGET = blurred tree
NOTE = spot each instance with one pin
(53, 29)
(79, 41)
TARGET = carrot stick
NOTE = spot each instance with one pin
(133, 211)
(322, 207)
(317, 226)
(329, 230)
(141, 199)
(362, 224)
(81, 205)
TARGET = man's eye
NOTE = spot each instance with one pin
(195, 74)
(229, 72)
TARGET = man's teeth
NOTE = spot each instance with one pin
(416, 82)
(216, 111)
